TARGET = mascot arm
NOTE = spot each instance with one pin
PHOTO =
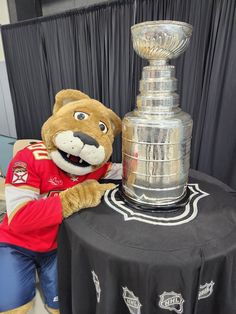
(26, 209)
(83, 195)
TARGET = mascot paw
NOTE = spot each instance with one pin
(83, 195)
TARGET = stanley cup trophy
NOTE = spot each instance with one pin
(156, 136)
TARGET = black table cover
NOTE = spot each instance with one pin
(114, 259)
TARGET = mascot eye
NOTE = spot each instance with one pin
(103, 127)
(79, 115)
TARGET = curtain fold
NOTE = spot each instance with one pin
(91, 50)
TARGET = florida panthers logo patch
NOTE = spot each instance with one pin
(189, 212)
(20, 173)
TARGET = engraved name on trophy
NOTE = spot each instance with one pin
(156, 136)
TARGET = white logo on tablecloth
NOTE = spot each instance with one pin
(186, 215)
(205, 290)
(131, 301)
(97, 286)
(171, 301)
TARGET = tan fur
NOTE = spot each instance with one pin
(88, 193)
(24, 309)
(83, 195)
(63, 120)
(67, 95)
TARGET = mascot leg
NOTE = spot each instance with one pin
(53, 311)
(24, 309)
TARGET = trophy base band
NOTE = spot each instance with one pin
(155, 208)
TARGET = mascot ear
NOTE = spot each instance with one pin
(115, 122)
(67, 95)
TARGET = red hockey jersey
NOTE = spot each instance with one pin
(34, 210)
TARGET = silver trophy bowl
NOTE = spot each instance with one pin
(155, 40)
(156, 136)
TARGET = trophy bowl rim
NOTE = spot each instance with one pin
(161, 51)
(160, 22)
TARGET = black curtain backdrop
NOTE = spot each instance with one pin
(90, 49)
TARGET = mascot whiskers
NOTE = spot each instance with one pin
(46, 182)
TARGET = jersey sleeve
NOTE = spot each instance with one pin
(26, 210)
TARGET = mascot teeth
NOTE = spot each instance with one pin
(75, 160)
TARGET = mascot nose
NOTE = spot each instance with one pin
(86, 139)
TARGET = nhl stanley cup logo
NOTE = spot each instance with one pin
(156, 136)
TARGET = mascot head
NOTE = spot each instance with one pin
(80, 133)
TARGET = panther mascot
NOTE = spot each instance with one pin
(46, 182)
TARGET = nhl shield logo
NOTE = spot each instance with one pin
(205, 290)
(171, 301)
(97, 286)
(113, 199)
(131, 301)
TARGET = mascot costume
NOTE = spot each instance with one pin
(46, 182)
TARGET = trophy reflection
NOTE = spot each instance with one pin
(156, 136)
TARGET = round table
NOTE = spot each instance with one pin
(114, 259)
